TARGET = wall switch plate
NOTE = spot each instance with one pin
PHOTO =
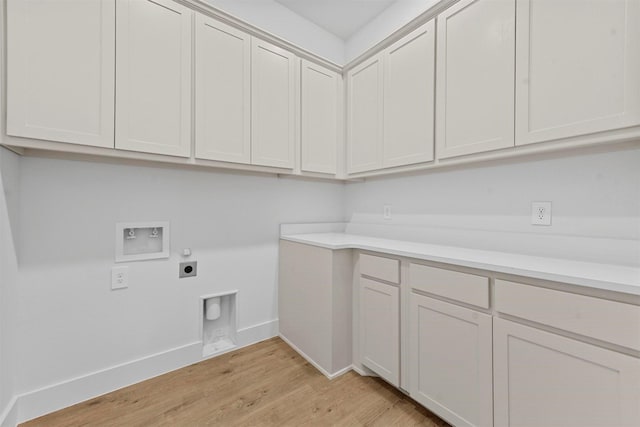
(386, 212)
(541, 213)
(119, 277)
(188, 269)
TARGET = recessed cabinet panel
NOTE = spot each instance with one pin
(475, 77)
(273, 105)
(153, 76)
(409, 98)
(60, 66)
(380, 329)
(543, 379)
(609, 321)
(223, 92)
(450, 356)
(364, 118)
(320, 109)
(577, 68)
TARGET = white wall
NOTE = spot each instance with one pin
(9, 167)
(70, 323)
(594, 195)
(278, 20)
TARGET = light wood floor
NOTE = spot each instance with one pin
(266, 384)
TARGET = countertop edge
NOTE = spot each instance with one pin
(497, 268)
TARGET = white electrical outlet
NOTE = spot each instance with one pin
(119, 277)
(386, 212)
(541, 213)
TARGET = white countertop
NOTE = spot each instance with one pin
(601, 276)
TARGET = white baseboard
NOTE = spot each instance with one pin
(314, 363)
(48, 399)
(9, 416)
(257, 333)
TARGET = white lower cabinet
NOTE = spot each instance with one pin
(544, 379)
(380, 329)
(450, 361)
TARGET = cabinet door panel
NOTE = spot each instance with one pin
(543, 379)
(61, 58)
(320, 107)
(577, 67)
(223, 92)
(380, 329)
(409, 98)
(475, 77)
(153, 73)
(450, 361)
(273, 106)
(364, 120)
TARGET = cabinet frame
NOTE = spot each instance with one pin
(376, 145)
(307, 163)
(425, 34)
(372, 361)
(484, 362)
(123, 114)
(18, 84)
(631, 116)
(504, 137)
(259, 153)
(203, 148)
(627, 366)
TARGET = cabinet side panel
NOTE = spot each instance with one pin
(342, 309)
(304, 300)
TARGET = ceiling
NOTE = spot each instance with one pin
(340, 17)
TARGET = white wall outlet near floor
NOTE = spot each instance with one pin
(541, 213)
(386, 211)
(119, 277)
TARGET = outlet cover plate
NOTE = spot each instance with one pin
(541, 213)
(386, 212)
(119, 277)
(188, 269)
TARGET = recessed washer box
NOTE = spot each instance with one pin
(137, 241)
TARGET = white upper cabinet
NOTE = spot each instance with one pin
(475, 77)
(577, 68)
(273, 105)
(365, 115)
(409, 98)
(153, 73)
(223, 92)
(320, 108)
(60, 66)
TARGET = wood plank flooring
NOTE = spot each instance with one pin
(266, 384)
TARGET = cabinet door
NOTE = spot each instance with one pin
(273, 105)
(475, 77)
(364, 119)
(450, 361)
(320, 109)
(409, 98)
(577, 68)
(543, 379)
(223, 92)
(153, 76)
(60, 62)
(380, 329)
